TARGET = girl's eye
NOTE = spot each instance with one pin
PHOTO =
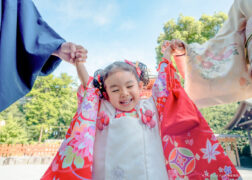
(116, 90)
(130, 86)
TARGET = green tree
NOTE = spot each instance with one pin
(13, 131)
(190, 30)
(219, 116)
(50, 105)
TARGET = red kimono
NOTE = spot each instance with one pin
(191, 150)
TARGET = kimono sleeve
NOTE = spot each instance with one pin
(74, 159)
(26, 45)
(196, 152)
(217, 72)
(159, 89)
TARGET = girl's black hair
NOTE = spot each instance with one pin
(102, 74)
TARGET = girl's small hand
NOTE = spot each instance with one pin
(80, 54)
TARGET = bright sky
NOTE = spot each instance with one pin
(119, 29)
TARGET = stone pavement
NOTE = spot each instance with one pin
(34, 172)
(246, 173)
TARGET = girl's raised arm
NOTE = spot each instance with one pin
(80, 59)
(178, 51)
(82, 73)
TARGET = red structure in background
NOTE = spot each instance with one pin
(146, 93)
(45, 149)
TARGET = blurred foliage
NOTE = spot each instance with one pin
(44, 113)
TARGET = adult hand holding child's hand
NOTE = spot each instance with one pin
(71, 53)
(177, 49)
(174, 47)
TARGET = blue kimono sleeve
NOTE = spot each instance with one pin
(26, 45)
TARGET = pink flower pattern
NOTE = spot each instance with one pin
(102, 120)
(147, 118)
(83, 142)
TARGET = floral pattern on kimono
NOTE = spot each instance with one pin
(75, 157)
(213, 63)
(195, 154)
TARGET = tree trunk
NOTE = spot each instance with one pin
(40, 135)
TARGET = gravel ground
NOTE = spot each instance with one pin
(34, 172)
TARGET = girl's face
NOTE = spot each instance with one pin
(123, 90)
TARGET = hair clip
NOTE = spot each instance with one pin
(138, 70)
(105, 95)
(99, 81)
(129, 62)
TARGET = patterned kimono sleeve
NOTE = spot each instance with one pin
(196, 153)
(216, 72)
(75, 157)
(160, 90)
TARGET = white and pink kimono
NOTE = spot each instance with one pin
(103, 143)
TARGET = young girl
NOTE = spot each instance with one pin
(216, 72)
(116, 135)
